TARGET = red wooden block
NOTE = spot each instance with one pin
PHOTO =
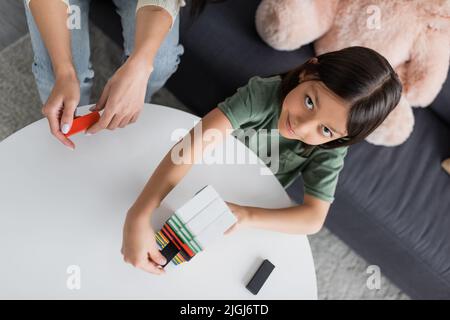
(82, 123)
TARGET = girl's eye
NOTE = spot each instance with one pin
(309, 103)
(327, 132)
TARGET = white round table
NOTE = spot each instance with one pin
(62, 213)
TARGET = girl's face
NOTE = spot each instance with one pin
(312, 114)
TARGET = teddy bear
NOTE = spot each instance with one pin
(413, 35)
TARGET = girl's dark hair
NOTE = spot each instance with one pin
(361, 77)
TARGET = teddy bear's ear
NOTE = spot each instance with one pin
(290, 24)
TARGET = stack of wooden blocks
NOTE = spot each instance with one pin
(194, 226)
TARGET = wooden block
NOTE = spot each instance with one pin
(83, 123)
(216, 229)
(196, 204)
(206, 216)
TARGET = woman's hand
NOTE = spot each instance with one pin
(242, 213)
(139, 246)
(61, 105)
(123, 96)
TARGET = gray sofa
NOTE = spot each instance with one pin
(392, 204)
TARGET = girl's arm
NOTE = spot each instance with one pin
(168, 174)
(139, 246)
(307, 218)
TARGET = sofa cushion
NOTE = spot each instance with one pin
(405, 191)
(223, 51)
(393, 207)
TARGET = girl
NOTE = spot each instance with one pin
(320, 108)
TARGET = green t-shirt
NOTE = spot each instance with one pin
(257, 106)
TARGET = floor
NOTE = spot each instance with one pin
(12, 22)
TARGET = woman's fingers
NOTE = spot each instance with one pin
(53, 113)
(125, 121)
(110, 123)
(135, 117)
(67, 115)
(60, 107)
(101, 124)
(115, 121)
(110, 120)
(53, 122)
(101, 103)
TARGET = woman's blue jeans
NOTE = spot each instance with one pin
(165, 63)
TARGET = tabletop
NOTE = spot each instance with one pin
(62, 213)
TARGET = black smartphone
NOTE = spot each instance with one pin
(260, 276)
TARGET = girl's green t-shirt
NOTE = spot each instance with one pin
(257, 106)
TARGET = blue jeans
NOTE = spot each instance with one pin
(165, 63)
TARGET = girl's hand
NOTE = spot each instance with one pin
(61, 105)
(123, 97)
(139, 246)
(242, 214)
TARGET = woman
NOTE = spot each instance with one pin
(62, 69)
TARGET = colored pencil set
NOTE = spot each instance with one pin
(194, 226)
